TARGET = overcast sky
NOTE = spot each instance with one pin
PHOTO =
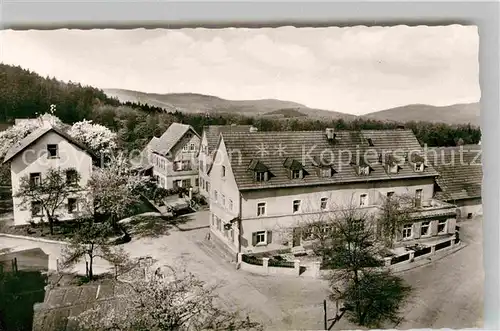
(353, 70)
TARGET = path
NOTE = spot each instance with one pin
(449, 293)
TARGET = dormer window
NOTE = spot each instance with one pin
(295, 168)
(418, 162)
(364, 170)
(261, 176)
(419, 167)
(392, 164)
(260, 171)
(322, 169)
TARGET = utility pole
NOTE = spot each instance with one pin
(325, 317)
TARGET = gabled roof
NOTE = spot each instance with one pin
(273, 148)
(460, 171)
(36, 135)
(212, 133)
(170, 138)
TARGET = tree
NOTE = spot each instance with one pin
(165, 300)
(15, 134)
(351, 249)
(100, 139)
(91, 241)
(378, 297)
(49, 192)
(396, 211)
(114, 189)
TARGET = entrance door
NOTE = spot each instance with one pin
(296, 237)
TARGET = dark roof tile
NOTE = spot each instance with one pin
(460, 171)
(309, 147)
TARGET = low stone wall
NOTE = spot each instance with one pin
(265, 269)
(424, 253)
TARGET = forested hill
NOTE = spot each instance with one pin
(24, 94)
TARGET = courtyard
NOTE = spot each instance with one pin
(447, 293)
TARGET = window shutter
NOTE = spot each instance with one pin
(451, 225)
(266, 176)
(254, 238)
(434, 226)
(416, 230)
(269, 237)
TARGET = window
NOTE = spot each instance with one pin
(261, 176)
(196, 182)
(223, 171)
(469, 215)
(182, 165)
(215, 195)
(363, 170)
(370, 141)
(324, 202)
(52, 151)
(418, 198)
(223, 200)
(390, 194)
(213, 219)
(363, 200)
(36, 208)
(261, 208)
(296, 174)
(71, 177)
(72, 205)
(419, 167)
(358, 224)
(35, 179)
(230, 205)
(296, 206)
(442, 226)
(326, 172)
(191, 147)
(424, 228)
(407, 231)
(208, 186)
(185, 148)
(186, 183)
(219, 224)
(259, 238)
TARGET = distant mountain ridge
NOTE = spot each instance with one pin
(273, 108)
(200, 103)
(453, 114)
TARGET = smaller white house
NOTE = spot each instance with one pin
(45, 148)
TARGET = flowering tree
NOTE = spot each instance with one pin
(165, 300)
(98, 138)
(14, 134)
(114, 189)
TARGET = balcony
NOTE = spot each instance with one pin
(433, 208)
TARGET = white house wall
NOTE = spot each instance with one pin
(34, 160)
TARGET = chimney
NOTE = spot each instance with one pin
(330, 133)
(253, 129)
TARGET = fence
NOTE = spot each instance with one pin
(281, 263)
(417, 253)
(252, 260)
(401, 258)
(267, 265)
